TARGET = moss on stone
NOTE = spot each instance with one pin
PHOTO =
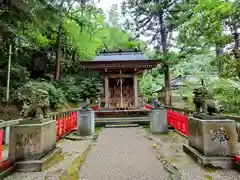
(60, 141)
(4, 147)
(209, 170)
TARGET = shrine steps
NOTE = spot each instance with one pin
(121, 125)
(114, 116)
(122, 120)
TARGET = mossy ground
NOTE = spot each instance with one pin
(56, 160)
(208, 177)
(72, 172)
(60, 141)
(98, 129)
(209, 170)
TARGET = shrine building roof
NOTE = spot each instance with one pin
(121, 59)
(121, 55)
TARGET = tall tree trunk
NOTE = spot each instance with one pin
(236, 41)
(236, 50)
(165, 52)
(220, 63)
(58, 52)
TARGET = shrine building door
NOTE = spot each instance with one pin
(121, 93)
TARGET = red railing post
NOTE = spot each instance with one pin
(75, 120)
(1, 146)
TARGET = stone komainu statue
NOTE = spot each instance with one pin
(203, 99)
(35, 102)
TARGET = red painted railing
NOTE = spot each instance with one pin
(66, 122)
(4, 164)
(148, 106)
(95, 107)
(178, 121)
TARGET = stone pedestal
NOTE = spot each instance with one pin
(212, 142)
(86, 123)
(32, 144)
(208, 117)
(158, 121)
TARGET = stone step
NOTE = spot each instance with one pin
(121, 125)
(124, 119)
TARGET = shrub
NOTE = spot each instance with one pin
(56, 95)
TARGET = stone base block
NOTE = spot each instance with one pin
(213, 162)
(36, 165)
(86, 123)
(213, 138)
(158, 121)
(32, 140)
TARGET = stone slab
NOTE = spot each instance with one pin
(213, 137)
(208, 117)
(36, 165)
(32, 141)
(86, 123)
(212, 162)
(121, 125)
(158, 121)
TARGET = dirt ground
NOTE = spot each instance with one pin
(9, 112)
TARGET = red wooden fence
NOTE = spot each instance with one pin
(66, 123)
(178, 121)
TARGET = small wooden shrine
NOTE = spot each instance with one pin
(120, 70)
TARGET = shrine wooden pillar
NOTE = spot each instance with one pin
(135, 87)
(106, 90)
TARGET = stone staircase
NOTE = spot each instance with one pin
(122, 117)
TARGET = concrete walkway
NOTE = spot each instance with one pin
(122, 154)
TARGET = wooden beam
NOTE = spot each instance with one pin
(118, 75)
(106, 90)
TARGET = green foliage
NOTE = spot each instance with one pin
(201, 26)
(56, 95)
(91, 88)
(77, 89)
(33, 28)
(227, 92)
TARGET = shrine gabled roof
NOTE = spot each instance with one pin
(121, 59)
(121, 56)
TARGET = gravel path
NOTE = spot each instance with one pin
(122, 154)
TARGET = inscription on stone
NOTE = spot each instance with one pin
(23, 140)
(84, 118)
(219, 135)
